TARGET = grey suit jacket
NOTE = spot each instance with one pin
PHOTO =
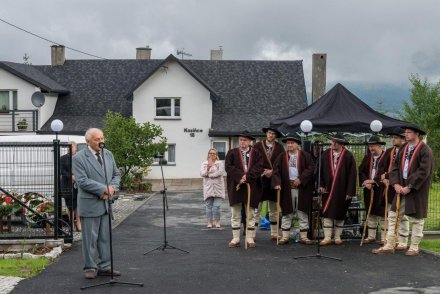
(91, 181)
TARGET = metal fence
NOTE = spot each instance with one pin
(33, 190)
(18, 120)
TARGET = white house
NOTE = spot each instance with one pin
(199, 103)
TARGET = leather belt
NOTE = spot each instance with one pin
(292, 185)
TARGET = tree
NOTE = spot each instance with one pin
(133, 145)
(380, 106)
(424, 110)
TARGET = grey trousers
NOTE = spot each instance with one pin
(96, 242)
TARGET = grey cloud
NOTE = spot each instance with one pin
(370, 42)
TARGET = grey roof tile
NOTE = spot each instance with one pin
(245, 94)
(34, 76)
(251, 93)
(96, 86)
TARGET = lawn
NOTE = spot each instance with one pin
(23, 268)
(432, 223)
(431, 245)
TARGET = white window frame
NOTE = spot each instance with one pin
(173, 109)
(12, 99)
(220, 141)
(167, 156)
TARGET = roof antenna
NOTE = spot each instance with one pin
(183, 53)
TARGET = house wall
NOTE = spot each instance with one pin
(196, 112)
(47, 109)
(25, 90)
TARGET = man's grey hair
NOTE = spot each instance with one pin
(90, 131)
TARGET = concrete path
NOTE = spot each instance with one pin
(211, 267)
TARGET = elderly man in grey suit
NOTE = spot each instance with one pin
(93, 197)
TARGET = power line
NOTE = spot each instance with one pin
(50, 41)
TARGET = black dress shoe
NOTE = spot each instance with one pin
(109, 273)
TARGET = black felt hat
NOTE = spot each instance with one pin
(375, 140)
(292, 138)
(246, 134)
(279, 134)
(397, 132)
(414, 128)
(338, 137)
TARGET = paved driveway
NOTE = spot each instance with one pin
(211, 267)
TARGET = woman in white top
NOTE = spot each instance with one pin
(212, 171)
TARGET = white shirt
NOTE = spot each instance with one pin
(94, 153)
(245, 158)
(335, 159)
(409, 152)
(374, 166)
(293, 166)
(269, 149)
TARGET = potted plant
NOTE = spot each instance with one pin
(4, 108)
(22, 124)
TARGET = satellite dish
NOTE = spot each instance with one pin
(38, 99)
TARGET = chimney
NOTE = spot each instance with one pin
(319, 61)
(217, 54)
(143, 53)
(58, 56)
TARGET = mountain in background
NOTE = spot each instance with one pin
(387, 99)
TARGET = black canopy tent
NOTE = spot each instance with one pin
(338, 110)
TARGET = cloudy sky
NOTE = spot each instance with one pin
(372, 46)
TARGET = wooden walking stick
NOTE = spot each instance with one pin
(247, 213)
(368, 214)
(278, 215)
(385, 221)
(396, 226)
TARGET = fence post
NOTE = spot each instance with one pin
(57, 206)
(13, 121)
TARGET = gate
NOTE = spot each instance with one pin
(35, 181)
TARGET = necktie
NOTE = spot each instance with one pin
(99, 158)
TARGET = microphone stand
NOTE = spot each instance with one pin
(164, 205)
(110, 213)
(317, 239)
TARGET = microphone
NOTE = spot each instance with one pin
(101, 145)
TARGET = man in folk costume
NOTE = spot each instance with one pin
(338, 186)
(270, 149)
(293, 175)
(411, 178)
(369, 179)
(243, 165)
(384, 169)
